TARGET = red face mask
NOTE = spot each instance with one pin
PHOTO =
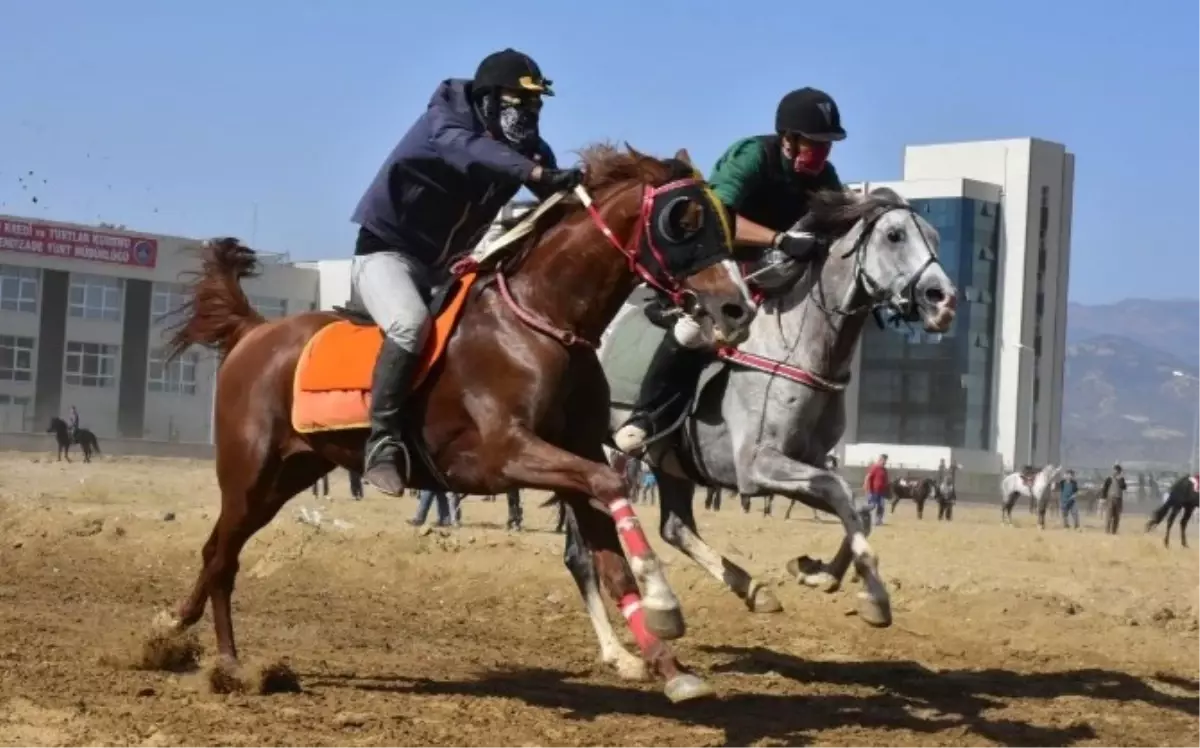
(810, 156)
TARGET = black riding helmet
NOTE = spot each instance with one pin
(511, 69)
(811, 113)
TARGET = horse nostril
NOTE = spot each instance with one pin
(934, 295)
(733, 312)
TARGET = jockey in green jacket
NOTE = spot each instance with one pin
(766, 183)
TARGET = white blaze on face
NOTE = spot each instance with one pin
(735, 275)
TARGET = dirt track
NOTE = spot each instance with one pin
(1002, 636)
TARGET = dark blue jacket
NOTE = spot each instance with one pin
(442, 186)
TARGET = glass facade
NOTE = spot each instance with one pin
(921, 389)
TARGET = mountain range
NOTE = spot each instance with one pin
(1122, 401)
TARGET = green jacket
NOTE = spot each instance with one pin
(753, 181)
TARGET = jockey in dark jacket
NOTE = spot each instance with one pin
(766, 182)
(471, 151)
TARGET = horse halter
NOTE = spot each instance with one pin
(688, 251)
(902, 302)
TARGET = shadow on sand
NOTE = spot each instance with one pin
(907, 697)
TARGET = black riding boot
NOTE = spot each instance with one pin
(389, 390)
(667, 389)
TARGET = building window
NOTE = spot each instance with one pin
(96, 297)
(167, 298)
(269, 307)
(18, 289)
(178, 377)
(16, 413)
(91, 364)
(16, 359)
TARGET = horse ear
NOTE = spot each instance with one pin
(684, 156)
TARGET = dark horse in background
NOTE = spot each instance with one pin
(1182, 497)
(919, 490)
(84, 438)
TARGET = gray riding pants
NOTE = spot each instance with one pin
(393, 288)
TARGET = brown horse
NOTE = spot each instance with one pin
(518, 400)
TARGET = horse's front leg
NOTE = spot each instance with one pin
(1183, 523)
(530, 461)
(828, 491)
(677, 525)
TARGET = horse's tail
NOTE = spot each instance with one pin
(95, 444)
(218, 313)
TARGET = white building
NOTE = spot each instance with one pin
(1003, 209)
(81, 323)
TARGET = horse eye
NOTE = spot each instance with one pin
(895, 235)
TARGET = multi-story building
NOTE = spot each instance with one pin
(82, 315)
(993, 384)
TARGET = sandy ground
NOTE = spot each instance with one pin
(476, 636)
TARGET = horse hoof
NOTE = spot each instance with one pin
(166, 622)
(873, 611)
(628, 667)
(687, 687)
(822, 580)
(764, 601)
(226, 676)
(804, 565)
(665, 624)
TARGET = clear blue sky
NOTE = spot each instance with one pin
(178, 117)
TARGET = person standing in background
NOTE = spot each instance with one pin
(1114, 490)
(712, 499)
(516, 514)
(1068, 490)
(356, 485)
(875, 485)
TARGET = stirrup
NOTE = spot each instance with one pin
(401, 449)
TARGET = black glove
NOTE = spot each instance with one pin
(561, 180)
(797, 245)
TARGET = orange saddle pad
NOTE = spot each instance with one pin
(331, 391)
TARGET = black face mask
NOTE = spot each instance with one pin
(515, 119)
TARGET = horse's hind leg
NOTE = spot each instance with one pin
(1172, 512)
(249, 500)
(677, 525)
(579, 562)
(1183, 523)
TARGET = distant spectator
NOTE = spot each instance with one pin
(712, 499)
(356, 485)
(323, 482)
(1114, 490)
(875, 486)
(516, 514)
(1068, 489)
(425, 500)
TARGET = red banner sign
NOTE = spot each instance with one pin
(77, 244)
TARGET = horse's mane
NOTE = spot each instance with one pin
(832, 213)
(605, 165)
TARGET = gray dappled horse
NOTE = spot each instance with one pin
(763, 423)
(1013, 487)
